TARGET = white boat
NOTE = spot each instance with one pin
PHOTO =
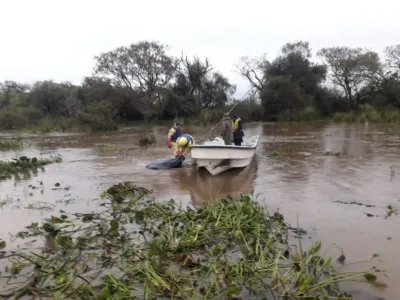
(216, 157)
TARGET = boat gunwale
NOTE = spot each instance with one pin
(228, 146)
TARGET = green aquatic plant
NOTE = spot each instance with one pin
(138, 248)
(107, 149)
(275, 154)
(6, 145)
(23, 166)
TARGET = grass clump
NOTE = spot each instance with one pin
(137, 248)
(7, 145)
(24, 166)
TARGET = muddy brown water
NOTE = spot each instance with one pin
(300, 169)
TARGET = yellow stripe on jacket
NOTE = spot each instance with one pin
(235, 124)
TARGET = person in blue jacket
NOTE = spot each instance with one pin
(173, 134)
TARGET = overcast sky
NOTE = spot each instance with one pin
(55, 39)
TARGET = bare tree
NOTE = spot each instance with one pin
(392, 54)
(196, 72)
(254, 69)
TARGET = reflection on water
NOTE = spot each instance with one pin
(302, 181)
(203, 187)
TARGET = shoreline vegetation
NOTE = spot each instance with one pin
(135, 247)
(143, 83)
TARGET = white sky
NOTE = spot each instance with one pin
(44, 39)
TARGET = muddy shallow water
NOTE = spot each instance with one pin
(303, 170)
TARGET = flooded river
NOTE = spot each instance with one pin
(306, 171)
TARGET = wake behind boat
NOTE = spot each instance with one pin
(216, 157)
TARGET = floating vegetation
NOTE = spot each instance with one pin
(147, 140)
(40, 206)
(354, 203)
(390, 210)
(137, 248)
(335, 153)
(23, 166)
(6, 145)
(275, 154)
(4, 202)
(59, 188)
(370, 215)
(107, 149)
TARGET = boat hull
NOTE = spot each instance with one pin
(220, 158)
(217, 166)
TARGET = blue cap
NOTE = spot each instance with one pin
(178, 123)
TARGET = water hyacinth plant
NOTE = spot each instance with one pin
(137, 248)
(24, 165)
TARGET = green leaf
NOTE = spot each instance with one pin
(245, 198)
(232, 290)
(2, 244)
(82, 239)
(108, 279)
(87, 218)
(327, 263)
(370, 277)
(65, 241)
(114, 225)
(48, 227)
(105, 294)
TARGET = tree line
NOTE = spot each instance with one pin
(144, 82)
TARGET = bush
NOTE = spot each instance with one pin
(13, 117)
(345, 117)
(307, 114)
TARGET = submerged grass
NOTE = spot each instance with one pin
(23, 166)
(137, 248)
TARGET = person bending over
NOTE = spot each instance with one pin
(184, 144)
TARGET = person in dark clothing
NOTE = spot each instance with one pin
(237, 128)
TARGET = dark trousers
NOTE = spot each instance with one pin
(237, 140)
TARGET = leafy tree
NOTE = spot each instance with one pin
(293, 81)
(216, 91)
(351, 69)
(144, 67)
(196, 83)
(50, 97)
